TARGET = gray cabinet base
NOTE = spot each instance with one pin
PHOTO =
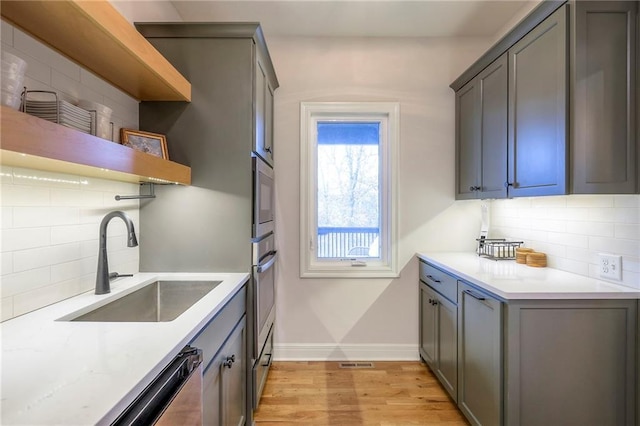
(571, 362)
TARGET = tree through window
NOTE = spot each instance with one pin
(348, 189)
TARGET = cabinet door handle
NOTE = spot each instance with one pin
(433, 279)
(475, 296)
(268, 149)
(229, 361)
(475, 188)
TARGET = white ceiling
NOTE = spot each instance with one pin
(377, 18)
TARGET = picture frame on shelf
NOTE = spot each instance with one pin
(151, 143)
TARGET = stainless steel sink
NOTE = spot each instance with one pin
(159, 301)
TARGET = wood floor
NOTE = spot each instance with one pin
(321, 393)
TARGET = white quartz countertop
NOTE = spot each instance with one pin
(510, 280)
(82, 373)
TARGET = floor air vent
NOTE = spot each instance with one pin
(356, 365)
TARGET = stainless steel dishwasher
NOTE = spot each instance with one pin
(173, 398)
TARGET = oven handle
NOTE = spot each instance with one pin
(269, 263)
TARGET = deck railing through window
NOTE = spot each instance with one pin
(345, 242)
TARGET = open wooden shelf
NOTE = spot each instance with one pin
(96, 36)
(32, 142)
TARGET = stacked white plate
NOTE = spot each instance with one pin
(103, 118)
(69, 114)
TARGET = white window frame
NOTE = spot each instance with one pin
(310, 114)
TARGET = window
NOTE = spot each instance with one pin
(348, 189)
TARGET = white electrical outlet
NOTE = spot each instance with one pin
(610, 266)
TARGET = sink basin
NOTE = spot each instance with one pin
(159, 301)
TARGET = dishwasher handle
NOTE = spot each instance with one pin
(147, 408)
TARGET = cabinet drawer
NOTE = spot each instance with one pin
(440, 281)
(213, 335)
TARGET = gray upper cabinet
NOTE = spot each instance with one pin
(573, 105)
(604, 139)
(479, 356)
(467, 140)
(481, 134)
(263, 142)
(538, 110)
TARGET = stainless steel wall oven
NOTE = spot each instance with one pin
(263, 310)
(263, 211)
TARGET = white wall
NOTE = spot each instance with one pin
(146, 10)
(369, 318)
(49, 221)
(527, 7)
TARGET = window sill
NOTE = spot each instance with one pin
(357, 272)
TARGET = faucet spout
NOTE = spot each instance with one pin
(102, 277)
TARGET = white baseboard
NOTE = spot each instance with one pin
(344, 352)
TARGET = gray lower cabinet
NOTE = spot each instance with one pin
(604, 141)
(571, 362)
(428, 325)
(479, 356)
(439, 333)
(538, 85)
(532, 362)
(481, 134)
(223, 343)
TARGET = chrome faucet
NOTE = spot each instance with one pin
(102, 278)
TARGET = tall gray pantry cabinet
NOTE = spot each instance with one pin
(208, 225)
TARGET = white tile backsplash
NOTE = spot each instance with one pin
(50, 249)
(34, 48)
(71, 233)
(68, 88)
(50, 221)
(25, 238)
(76, 197)
(25, 195)
(24, 260)
(32, 300)
(6, 34)
(573, 229)
(627, 231)
(45, 216)
(20, 282)
(6, 263)
(77, 268)
(6, 308)
(6, 217)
